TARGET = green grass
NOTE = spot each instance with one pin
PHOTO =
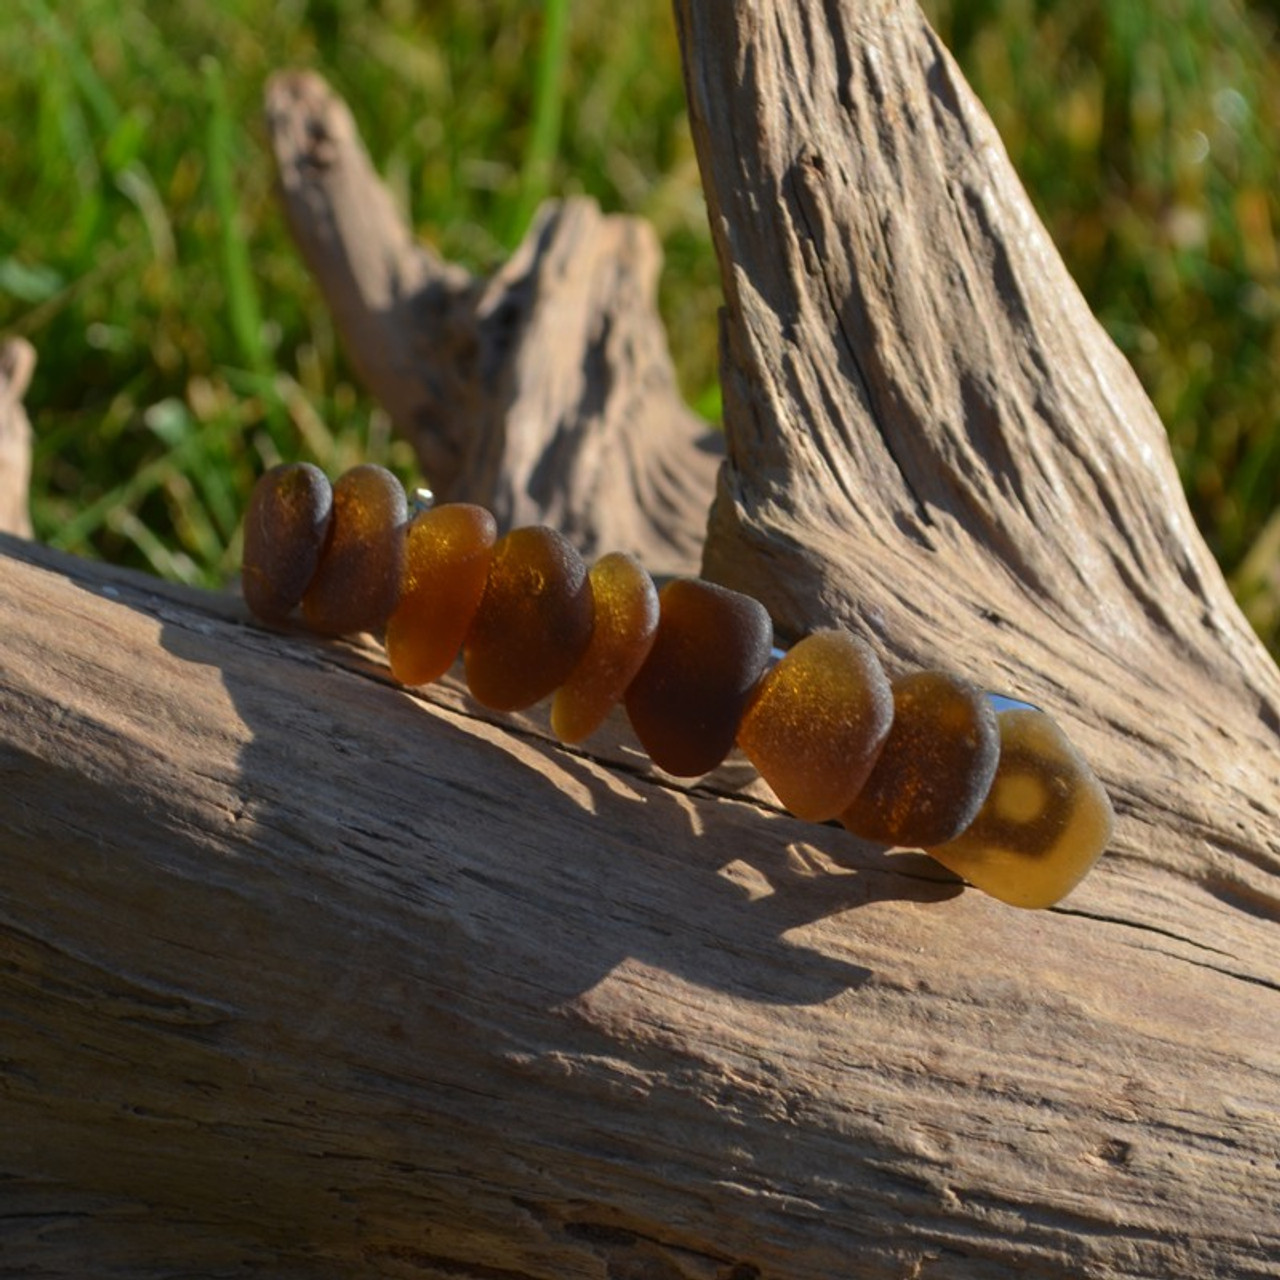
(182, 347)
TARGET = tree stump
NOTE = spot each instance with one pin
(305, 974)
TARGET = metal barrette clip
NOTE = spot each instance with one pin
(1000, 701)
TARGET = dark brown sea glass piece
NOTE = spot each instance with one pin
(711, 648)
(447, 554)
(358, 582)
(817, 723)
(626, 621)
(1044, 824)
(936, 766)
(285, 528)
(533, 623)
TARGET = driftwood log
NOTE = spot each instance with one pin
(307, 975)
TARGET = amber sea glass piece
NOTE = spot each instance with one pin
(936, 766)
(533, 623)
(285, 528)
(626, 621)
(447, 554)
(358, 582)
(687, 701)
(1044, 824)
(817, 723)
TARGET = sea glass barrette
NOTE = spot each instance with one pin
(926, 760)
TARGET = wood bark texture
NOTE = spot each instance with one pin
(307, 975)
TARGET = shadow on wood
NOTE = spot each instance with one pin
(312, 976)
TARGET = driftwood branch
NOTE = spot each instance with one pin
(547, 392)
(931, 438)
(312, 976)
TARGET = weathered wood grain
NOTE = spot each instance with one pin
(931, 440)
(305, 975)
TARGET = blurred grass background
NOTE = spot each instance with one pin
(182, 346)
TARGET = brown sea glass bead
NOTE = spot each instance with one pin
(687, 701)
(533, 623)
(1045, 822)
(447, 554)
(285, 529)
(817, 723)
(936, 766)
(626, 621)
(358, 582)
